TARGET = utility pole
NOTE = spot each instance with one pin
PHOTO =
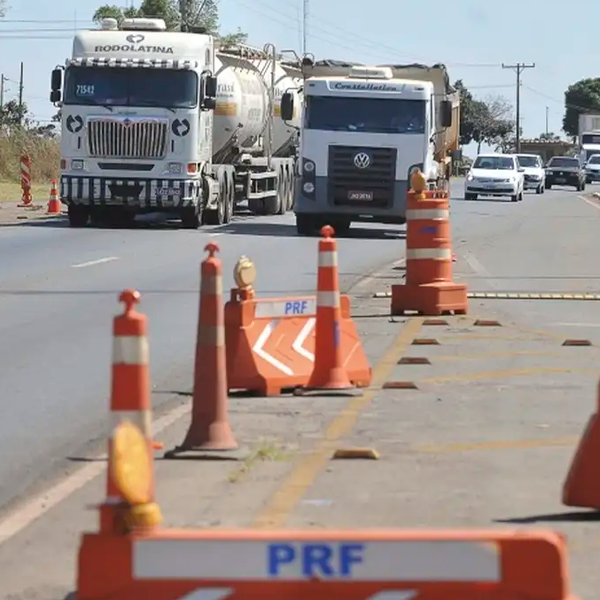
(304, 25)
(21, 94)
(518, 68)
(2, 86)
(547, 110)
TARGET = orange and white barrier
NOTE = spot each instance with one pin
(270, 342)
(321, 565)
(54, 205)
(429, 288)
(130, 390)
(25, 168)
(582, 485)
(209, 428)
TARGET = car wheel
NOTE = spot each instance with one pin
(514, 198)
(539, 189)
(548, 186)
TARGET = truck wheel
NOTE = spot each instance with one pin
(230, 183)
(305, 225)
(282, 192)
(191, 217)
(291, 188)
(78, 215)
(218, 216)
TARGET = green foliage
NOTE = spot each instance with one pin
(580, 97)
(483, 121)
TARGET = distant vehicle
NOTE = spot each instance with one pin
(592, 168)
(565, 170)
(495, 175)
(534, 172)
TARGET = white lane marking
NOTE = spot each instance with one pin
(363, 283)
(479, 269)
(23, 516)
(590, 202)
(574, 324)
(91, 263)
(298, 344)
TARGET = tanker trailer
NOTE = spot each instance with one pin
(248, 132)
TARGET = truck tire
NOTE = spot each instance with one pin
(191, 217)
(230, 185)
(282, 191)
(78, 215)
(217, 216)
(291, 187)
(305, 225)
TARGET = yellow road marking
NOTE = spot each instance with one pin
(285, 499)
(483, 336)
(496, 355)
(502, 374)
(498, 445)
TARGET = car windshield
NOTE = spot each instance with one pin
(563, 162)
(528, 161)
(594, 160)
(369, 115)
(116, 86)
(503, 163)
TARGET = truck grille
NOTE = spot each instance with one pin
(375, 181)
(144, 138)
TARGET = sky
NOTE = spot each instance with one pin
(473, 39)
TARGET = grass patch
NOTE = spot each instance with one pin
(45, 159)
(265, 450)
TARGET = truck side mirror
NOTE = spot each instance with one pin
(210, 87)
(209, 103)
(56, 80)
(446, 113)
(287, 106)
(55, 96)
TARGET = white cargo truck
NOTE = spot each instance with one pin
(589, 136)
(158, 121)
(365, 129)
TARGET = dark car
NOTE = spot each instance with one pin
(565, 170)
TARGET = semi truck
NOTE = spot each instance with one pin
(589, 136)
(161, 121)
(365, 129)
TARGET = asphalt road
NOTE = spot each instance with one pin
(58, 294)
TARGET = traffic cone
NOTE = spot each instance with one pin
(209, 429)
(130, 392)
(54, 204)
(582, 485)
(329, 375)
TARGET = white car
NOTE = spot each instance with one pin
(534, 176)
(592, 168)
(495, 175)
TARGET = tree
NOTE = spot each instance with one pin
(550, 136)
(580, 97)
(2, 8)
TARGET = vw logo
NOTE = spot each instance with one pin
(135, 38)
(362, 160)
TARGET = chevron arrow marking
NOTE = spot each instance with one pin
(208, 594)
(258, 349)
(298, 345)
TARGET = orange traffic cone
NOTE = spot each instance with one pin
(209, 429)
(130, 390)
(329, 375)
(582, 485)
(54, 204)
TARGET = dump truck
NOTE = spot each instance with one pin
(162, 121)
(365, 130)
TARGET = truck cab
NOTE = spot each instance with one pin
(136, 122)
(364, 131)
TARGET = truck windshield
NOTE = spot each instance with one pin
(369, 115)
(590, 138)
(114, 86)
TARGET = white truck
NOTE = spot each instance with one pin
(589, 136)
(364, 131)
(157, 121)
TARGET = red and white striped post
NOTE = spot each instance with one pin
(26, 198)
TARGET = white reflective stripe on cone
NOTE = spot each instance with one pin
(212, 284)
(212, 336)
(141, 418)
(328, 299)
(328, 258)
(431, 253)
(427, 213)
(130, 350)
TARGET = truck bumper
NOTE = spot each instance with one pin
(322, 203)
(143, 194)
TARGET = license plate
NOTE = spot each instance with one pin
(362, 196)
(164, 192)
(560, 180)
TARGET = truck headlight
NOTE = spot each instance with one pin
(308, 166)
(308, 187)
(77, 165)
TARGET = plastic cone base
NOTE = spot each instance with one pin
(217, 437)
(328, 391)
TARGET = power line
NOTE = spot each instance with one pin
(518, 68)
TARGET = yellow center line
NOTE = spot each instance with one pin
(502, 374)
(497, 445)
(292, 490)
